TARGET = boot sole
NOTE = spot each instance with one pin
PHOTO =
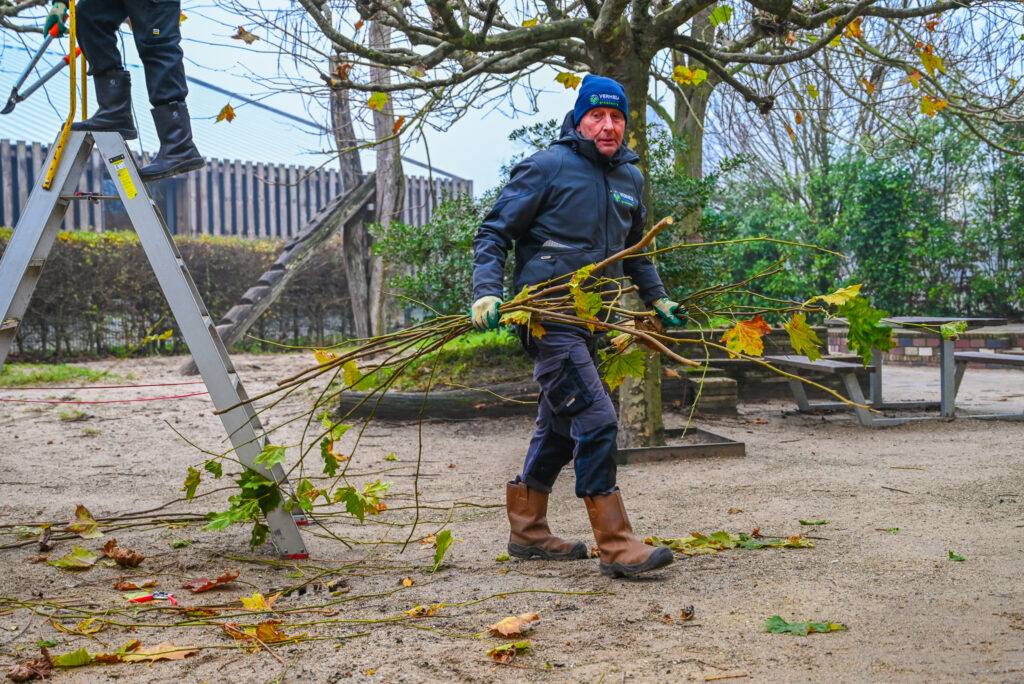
(661, 557)
(126, 133)
(180, 167)
(577, 552)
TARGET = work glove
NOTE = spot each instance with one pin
(485, 312)
(667, 311)
(58, 17)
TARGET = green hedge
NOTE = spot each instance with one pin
(98, 296)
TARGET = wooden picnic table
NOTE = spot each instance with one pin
(947, 366)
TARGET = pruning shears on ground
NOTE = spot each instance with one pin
(56, 26)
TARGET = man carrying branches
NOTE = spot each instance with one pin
(573, 204)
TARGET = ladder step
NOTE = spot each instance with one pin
(36, 264)
(9, 324)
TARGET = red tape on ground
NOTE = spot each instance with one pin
(108, 401)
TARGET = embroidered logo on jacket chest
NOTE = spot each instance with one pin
(624, 199)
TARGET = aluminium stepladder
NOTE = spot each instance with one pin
(30, 245)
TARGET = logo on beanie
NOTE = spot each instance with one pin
(593, 99)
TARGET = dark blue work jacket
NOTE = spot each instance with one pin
(565, 207)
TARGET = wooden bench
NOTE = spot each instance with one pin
(963, 358)
(849, 372)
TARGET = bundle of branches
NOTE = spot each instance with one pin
(585, 298)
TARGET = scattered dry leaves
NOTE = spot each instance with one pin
(512, 626)
(201, 584)
(84, 524)
(164, 651)
(123, 557)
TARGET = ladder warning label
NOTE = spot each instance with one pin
(124, 176)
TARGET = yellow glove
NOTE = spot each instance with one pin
(667, 310)
(485, 312)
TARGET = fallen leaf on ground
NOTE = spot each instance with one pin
(813, 522)
(423, 611)
(125, 585)
(201, 584)
(514, 625)
(123, 557)
(686, 613)
(39, 668)
(505, 654)
(717, 542)
(954, 557)
(84, 524)
(164, 651)
(734, 511)
(74, 659)
(78, 559)
(258, 602)
(776, 625)
(407, 582)
(117, 656)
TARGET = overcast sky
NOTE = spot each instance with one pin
(475, 147)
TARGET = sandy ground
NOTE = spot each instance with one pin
(912, 614)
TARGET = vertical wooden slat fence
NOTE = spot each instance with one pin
(227, 197)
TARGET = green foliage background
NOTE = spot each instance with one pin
(934, 228)
(98, 295)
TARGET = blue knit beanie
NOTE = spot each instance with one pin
(598, 91)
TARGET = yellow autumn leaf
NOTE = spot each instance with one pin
(512, 626)
(799, 118)
(853, 29)
(931, 62)
(258, 602)
(931, 105)
(242, 34)
(812, 90)
(792, 135)
(227, 113)
(868, 85)
(323, 356)
(840, 296)
(568, 79)
(745, 336)
(530, 22)
(377, 101)
(913, 78)
(683, 75)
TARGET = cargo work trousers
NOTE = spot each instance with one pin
(576, 420)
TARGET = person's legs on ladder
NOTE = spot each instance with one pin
(96, 31)
(156, 27)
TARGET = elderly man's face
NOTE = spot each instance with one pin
(605, 126)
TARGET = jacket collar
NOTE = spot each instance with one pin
(586, 147)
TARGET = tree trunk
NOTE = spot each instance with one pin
(356, 239)
(640, 421)
(390, 191)
(689, 120)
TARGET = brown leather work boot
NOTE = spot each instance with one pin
(531, 537)
(622, 554)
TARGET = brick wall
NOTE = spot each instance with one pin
(917, 348)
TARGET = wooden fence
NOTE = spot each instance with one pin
(227, 197)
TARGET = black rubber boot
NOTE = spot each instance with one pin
(178, 154)
(114, 97)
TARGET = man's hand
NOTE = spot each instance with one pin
(485, 312)
(667, 310)
(58, 17)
